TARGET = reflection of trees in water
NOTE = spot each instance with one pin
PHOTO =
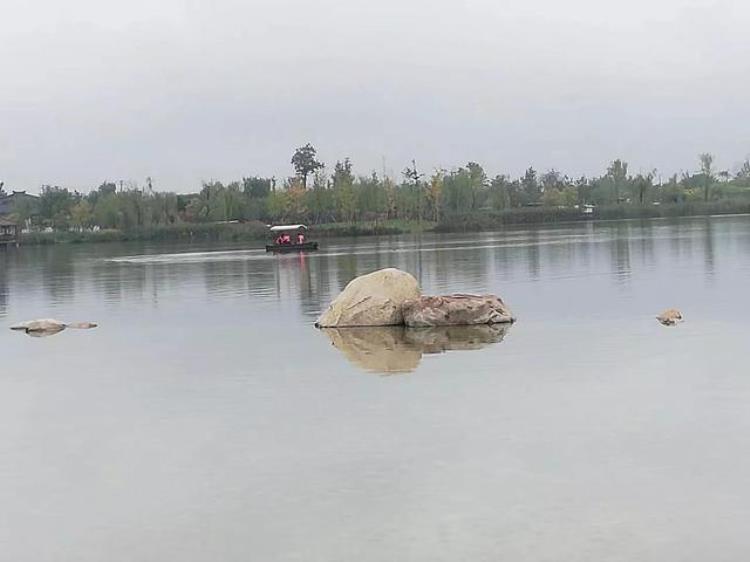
(117, 281)
(4, 267)
(449, 264)
(681, 238)
(440, 262)
(58, 273)
(380, 251)
(646, 242)
(305, 280)
(559, 254)
(502, 264)
(397, 349)
(533, 258)
(709, 255)
(620, 251)
(440, 270)
(346, 268)
(226, 276)
(471, 267)
(300, 278)
(583, 247)
(317, 276)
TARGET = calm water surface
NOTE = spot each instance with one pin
(207, 420)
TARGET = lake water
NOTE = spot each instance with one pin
(206, 419)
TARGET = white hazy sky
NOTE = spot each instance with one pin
(191, 90)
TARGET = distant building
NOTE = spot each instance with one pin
(8, 232)
(8, 202)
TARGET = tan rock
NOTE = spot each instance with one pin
(456, 310)
(374, 299)
(670, 317)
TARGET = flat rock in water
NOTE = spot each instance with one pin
(42, 325)
(374, 299)
(456, 310)
(670, 317)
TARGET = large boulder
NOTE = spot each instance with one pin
(374, 299)
(456, 310)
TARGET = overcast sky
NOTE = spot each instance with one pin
(192, 90)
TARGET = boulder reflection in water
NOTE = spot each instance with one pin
(397, 349)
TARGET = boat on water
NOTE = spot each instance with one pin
(290, 238)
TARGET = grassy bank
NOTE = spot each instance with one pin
(370, 228)
(492, 220)
(257, 232)
(238, 232)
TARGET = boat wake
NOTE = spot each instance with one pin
(191, 257)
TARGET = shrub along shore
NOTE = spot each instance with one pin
(256, 231)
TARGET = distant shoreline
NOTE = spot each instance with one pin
(471, 222)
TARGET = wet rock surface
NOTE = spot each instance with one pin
(456, 310)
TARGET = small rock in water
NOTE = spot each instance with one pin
(670, 317)
(49, 326)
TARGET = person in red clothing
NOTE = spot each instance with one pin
(300, 238)
(286, 239)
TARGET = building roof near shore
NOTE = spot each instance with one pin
(6, 222)
(283, 227)
(8, 201)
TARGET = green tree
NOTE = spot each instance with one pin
(81, 215)
(277, 205)
(617, 173)
(305, 162)
(256, 187)
(642, 185)
(55, 204)
(320, 199)
(416, 200)
(478, 184)
(371, 198)
(503, 193)
(565, 197)
(435, 193)
(458, 191)
(552, 180)
(196, 210)
(583, 190)
(25, 210)
(672, 191)
(707, 170)
(530, 186)
(343, 190)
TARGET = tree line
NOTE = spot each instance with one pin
(317, 194)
